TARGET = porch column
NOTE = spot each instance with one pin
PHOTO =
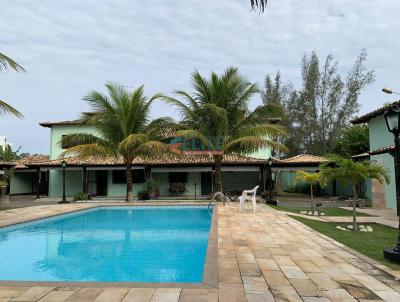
(84, 180)
(38, 175)
(262, 177)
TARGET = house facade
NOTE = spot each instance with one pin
(381, 150)
(105, 177)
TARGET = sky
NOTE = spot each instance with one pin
(71, 47)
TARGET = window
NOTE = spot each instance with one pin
(119, 176)
(177, 177)
(63, 145)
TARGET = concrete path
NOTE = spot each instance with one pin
(262, 257)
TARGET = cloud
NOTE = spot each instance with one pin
(72, 47)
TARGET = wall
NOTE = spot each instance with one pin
(240, 180)
(57, 131)
(73, 182)
(119, 190)
(21, 182)
(380, 137)
(192, 177)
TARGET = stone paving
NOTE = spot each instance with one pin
(262, 257)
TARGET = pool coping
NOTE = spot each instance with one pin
(210, 271)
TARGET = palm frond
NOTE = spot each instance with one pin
(8, 63)
(248, 144)
(264, 130)
(259, 4)
(72, 140)
(154, 149)
(310, 178)
(193, 134)
(6, 108)
(88, 150)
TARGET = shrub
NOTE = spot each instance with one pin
(81, 196)
(143, 195)
(177, 188)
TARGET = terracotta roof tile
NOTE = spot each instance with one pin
(387, 149)
(162, 160)
(29, 160)
(302, 159)
(366, 117)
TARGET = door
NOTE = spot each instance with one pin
(206, 183)
(101, 183)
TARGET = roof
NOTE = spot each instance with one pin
(50, 124)
(387, 149)
(24, 162)
(301, 159)
(6, 164)
(366, 117)
(159, 161)
(361, 155)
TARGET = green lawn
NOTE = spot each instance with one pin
(327, 211)
(369, 244)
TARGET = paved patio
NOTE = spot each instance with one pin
(262, 257)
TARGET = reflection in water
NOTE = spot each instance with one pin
(152, 245)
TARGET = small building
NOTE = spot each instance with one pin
(105, 177)
(381, 147)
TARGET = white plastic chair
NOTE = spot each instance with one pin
(245, 195)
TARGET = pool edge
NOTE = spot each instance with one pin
(210, 270)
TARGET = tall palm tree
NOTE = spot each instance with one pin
(217, 115)
(313, 179)
(259, 4)
(124, 130)
(348, 171)
(5, 64)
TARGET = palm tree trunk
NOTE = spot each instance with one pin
(354, 203)
(217, 174)
(129, 194)
(312, 199)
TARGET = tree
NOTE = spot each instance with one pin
(217, 115)
(313, 179)
(121, 120)
(259, 4)
(9, 155)
(348, 171)
(354, 140)
(5, 64)
(322, 108)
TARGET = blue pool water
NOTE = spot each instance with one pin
(126, 244)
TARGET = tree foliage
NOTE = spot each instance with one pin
(354, 140)
(7, 63)
(313, 179)
(258, 4)
(348, 171)
(319, 111)
(217, 114)
(9, 155)
(123, 127)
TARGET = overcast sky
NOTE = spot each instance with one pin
(71, 47)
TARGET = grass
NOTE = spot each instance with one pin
(327, 211)
(369, 244)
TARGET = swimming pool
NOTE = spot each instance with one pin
(109, 244)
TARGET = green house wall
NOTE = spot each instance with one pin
(379, 137)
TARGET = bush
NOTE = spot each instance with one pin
(3, 183)
(143, 195)
(177, 188)
(81, 196)
(152, 186)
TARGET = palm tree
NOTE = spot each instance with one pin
(346, 170)
(217, 115)
(121, 120)
(5, 64)
(259, 4)
(313, 179)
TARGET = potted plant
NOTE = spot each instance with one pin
(152, 187)
(177, 188)
(4, 197)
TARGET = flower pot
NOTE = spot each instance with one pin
(4, 197)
